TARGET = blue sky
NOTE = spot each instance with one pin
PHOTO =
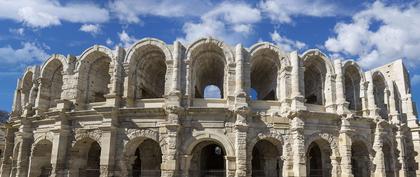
(371, 32)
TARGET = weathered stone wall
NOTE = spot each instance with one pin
(141, 112)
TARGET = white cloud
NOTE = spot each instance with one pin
(231, 22)
(283, 10)
(90, 28)
(18, 31)
(285, 43)
(130, 10)
(379, 34)
(126, 40)
(28, 54)
(44, 13)
(415, 80)
(109, 42)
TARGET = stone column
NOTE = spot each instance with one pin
(170, 132)
(298, 147)
(176, 66)
(364, 100)
(379, 159)
(328, 92)
(339, 88)
(392, 108)
(230, 166)
(17, 100)
(373, 110)
(25, 133)
(114, 97)
(345, 143)
(239, 83)
(61, 142)
(42, 101)
(241, 129)
(6, 165)
(298, 102)
(408, 108)
(402, 170)
(108, 148)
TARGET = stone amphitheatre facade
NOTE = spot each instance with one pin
(143, 111)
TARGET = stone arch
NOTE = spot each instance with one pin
(223, 141)
(321, 151)
(353, 79)
(361, 155)
(26, 87)
(51, 82)
(147, 69)
(380, 88)
(134, 155)
(94, 135)
(94, 74)
(42, 137)
(317, 77)
(208, 62)
(268, 149)
(85, 157)
(266, 61)
(40, 160)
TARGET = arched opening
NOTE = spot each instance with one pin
(208, 160)
(85, 158)
(148, 158)
(389, 163)
(318, 162)
(26, 88)
(208, 68)
(314, 78)
(98, 80)
(352, 88)
(266, 160)
(52, 84)
(149, 73)
(264, 72)
(212, 91)
(379, 94)
(41, 159)
(360, 161)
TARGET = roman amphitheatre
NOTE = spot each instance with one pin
(145, 111)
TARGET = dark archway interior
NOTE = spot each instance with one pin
(148, 159)
(352, 88)
(93, 160)
(264, 72)
(389, 168)
(150, 72)
(208, 69)
(379, 93)
(41, 159)
(265, 162)
(318, 159)
(360, 161)
(314, 78)
(208, 160)
(98, 80)
(53, 72)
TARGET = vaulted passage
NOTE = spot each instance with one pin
(40, 161)
(388, 159)
(148, 159)
(149, 73)
(352, 88)
(26, 88)
(208, 68)
(85, 159)
(266, 161)
(379, 94)
(264, 72)
(208, 160)
(314, 78)
(51, 86)
(98, 80)
(318, 162)
(360, 161)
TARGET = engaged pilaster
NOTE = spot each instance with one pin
(298, 146)
(25, 134)
(345, 144)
